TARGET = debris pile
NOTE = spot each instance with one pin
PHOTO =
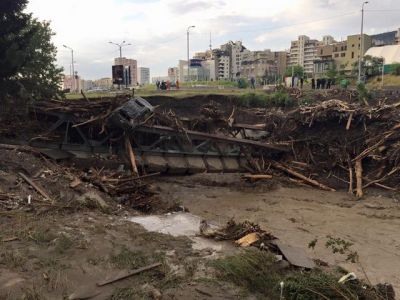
(344, 144)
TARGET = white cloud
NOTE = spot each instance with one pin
(157, 29)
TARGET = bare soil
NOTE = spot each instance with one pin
(297, 215)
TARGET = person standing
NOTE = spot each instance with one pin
(253, 83)
(301, 82)
(313, 83)
(177, 84)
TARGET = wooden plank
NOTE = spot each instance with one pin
(131, 156)
(38, 188)
(125, 274)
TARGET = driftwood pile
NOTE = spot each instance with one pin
(339, 143)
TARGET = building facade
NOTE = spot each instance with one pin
(258, 64)
(235, 52)
(303, 52)
(143, 75)
(173, 73)
(132, 63)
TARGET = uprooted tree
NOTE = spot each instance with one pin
(27, 56)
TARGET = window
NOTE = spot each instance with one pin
(335, 49)
(336, 54)
(352, 45)
(342, 54)
(352, 54)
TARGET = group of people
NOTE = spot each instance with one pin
(166, 85)
(322, 83)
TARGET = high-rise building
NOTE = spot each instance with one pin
(235, 51)
(303, 52)
(143, 75)
(132, 63)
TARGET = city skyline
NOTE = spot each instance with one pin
(157, 29)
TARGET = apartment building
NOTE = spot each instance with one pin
(143, 75)
(235, 51)
(303, 52)
(258, 64)
(224, 67)
(132, 63)
(356, 49)
(281, 62)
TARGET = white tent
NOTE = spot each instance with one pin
(390, 53)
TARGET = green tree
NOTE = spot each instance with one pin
(332, 72)
(295, 70)
(370, 66)
(27, 55)
(396, 69)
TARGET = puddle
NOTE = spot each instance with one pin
(180, 224)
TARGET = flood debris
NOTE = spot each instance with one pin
(125, 274)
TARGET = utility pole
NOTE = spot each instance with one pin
(361, 53)
(73, 86)
(188, 62)
(383, 70)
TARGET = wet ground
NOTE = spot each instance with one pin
(298, 215)
(56, 254)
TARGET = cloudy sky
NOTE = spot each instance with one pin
(157, 28)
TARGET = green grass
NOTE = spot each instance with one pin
(388, 80)
(128, 259)
(257, 272)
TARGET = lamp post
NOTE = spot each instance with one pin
(188, 62)
(361, 41)
(72, 66)
(120, 46)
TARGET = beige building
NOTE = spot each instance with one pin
(103, 83)
(258, 64)
(344, 55)
(398, 37)
(353, 50)
(281, 62)
(132, 63)
(303, 52)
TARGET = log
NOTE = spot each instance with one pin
(350, 178)
(359, 187)
(256, 176)
(302, 177)
(349, 121)
(125, 274)
(35, 186)
(131, 156)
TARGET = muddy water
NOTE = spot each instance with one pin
(298, 215)
(181, 224)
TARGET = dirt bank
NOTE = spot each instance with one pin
(298, 215)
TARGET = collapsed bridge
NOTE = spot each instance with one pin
(131, 130)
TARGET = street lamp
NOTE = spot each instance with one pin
(188, 63)
(72, 65)
(123, 44)
(361, 41)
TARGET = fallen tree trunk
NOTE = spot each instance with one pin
(359, 187)
(302, 177)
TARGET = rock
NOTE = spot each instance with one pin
(92, 199)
